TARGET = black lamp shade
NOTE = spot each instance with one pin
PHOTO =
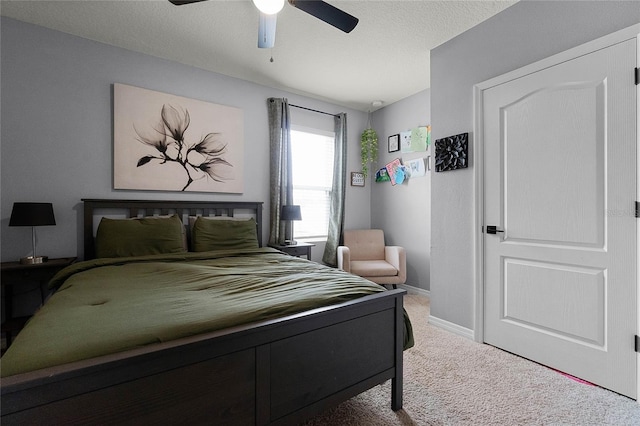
(32, 214)
(290, 213)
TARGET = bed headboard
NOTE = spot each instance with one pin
(93, 209)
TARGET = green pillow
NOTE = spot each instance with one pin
(224, 234)
(139, 236)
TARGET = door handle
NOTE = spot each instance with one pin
(493, 229)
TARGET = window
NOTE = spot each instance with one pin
(312, 168)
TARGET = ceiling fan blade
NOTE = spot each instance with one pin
(267, 30)
(328, 13)
(183, 2)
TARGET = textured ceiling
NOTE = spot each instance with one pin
(386, 57)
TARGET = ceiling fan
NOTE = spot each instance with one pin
(269, 11)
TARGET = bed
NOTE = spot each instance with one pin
(271, 368)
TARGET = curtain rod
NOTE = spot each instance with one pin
(314, 110)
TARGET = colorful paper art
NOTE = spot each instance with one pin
(392, 169)
(382, 175)
(415, 140)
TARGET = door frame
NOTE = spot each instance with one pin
(632, 32)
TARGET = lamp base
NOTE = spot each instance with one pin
(32, 260)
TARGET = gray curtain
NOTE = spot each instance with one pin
(280, 174)
(336, 210)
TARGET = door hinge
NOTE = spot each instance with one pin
(637, 76)
(637, 343)
(637, 209)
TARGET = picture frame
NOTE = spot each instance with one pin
(394, 143)
(357, 179)
(165, 142)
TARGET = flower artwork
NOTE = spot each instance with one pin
(166, 142)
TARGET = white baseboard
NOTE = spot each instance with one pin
(415, 290)
(445, 325)
(451, 327)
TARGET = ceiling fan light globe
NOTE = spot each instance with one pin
(269, 7)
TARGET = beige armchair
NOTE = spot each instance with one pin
(365, 254)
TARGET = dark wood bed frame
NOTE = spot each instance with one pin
(281, 371)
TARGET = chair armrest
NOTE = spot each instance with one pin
(397, 256)
(344, 258)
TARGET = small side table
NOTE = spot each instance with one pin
(17, 274)
(298, 250)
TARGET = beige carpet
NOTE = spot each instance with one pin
(451, 380)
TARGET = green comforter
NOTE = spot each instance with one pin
(105, 306)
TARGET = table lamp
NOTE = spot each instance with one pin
(32, 214)
(289, 214)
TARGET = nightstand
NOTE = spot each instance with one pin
(300, 249)
(15, 274)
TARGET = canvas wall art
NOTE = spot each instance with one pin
(165, 142)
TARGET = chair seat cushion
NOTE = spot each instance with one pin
(373, 268)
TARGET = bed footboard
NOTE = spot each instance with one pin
(275, 372)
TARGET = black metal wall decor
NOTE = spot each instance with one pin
(451, 152)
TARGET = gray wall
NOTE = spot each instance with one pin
(56, 135)
(524, 33)
(403, 211)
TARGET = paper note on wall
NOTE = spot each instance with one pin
(405, 141)
(420, 138)
(416, 168)
(415, 140)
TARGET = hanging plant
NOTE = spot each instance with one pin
(368, 147)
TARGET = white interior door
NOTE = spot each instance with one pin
(560, 181)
